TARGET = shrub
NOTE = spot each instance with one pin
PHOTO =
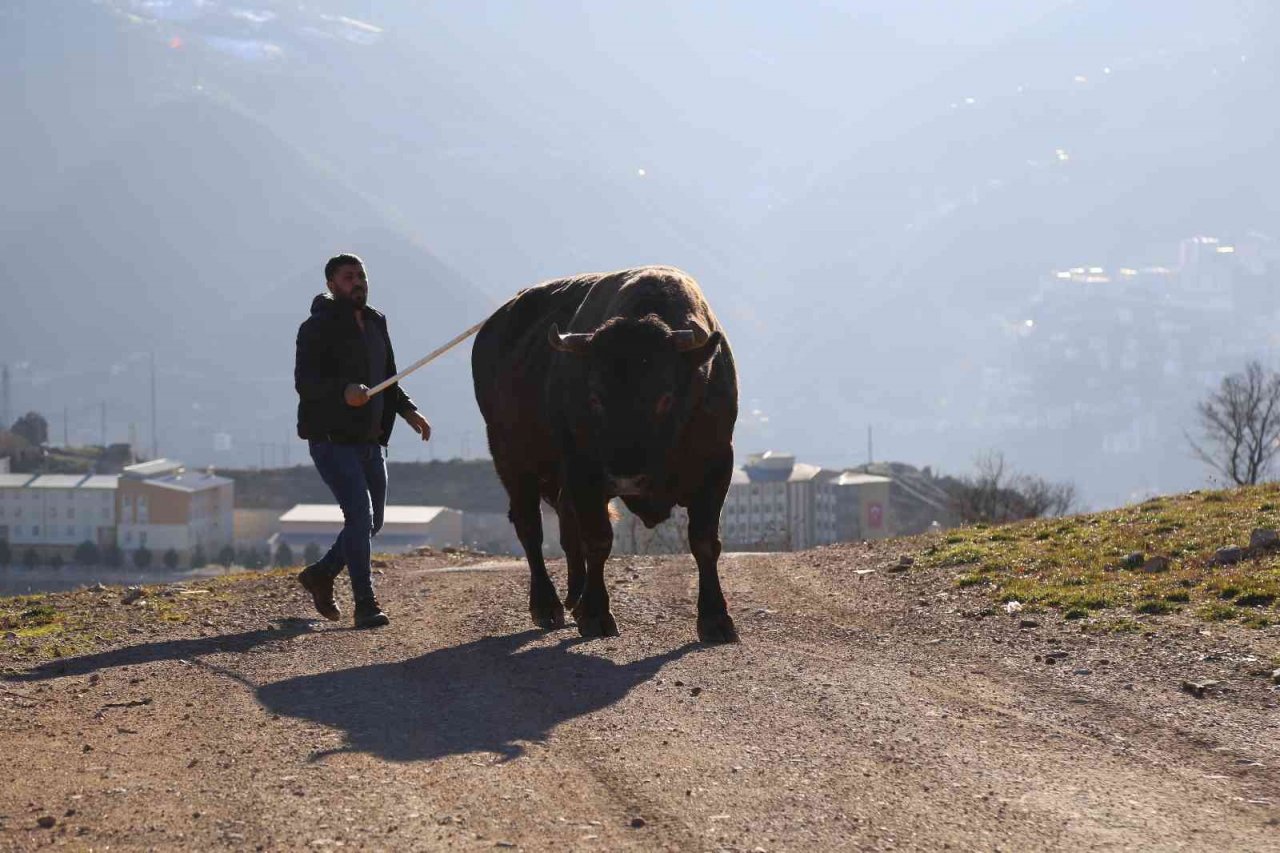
(87, 554)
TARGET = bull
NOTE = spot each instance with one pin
(636, 399)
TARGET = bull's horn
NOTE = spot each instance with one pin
(687, 340)
(575, 343)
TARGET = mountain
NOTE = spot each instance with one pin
(1095, 136)
(188, 238)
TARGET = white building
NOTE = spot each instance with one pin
(776, 503)
(155, 505)
(403, 528)
(57, 512)
(862, 506)
(18, 511)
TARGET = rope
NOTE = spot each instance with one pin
(425, 360)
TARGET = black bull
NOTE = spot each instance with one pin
(637, 399)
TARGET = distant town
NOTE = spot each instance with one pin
(155, 514)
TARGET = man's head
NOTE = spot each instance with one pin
(344, 275)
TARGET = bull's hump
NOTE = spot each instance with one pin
(666, 291)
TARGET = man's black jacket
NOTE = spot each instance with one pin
(332, 355)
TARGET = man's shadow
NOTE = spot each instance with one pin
(486, 696)
(188, 649)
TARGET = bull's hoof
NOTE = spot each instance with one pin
(717, 629)
(598, 626)
(548, 617)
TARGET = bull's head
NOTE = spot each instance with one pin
(639, 392)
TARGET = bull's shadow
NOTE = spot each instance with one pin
(486, 696)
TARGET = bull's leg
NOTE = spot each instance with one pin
(714, 623)
(571, 542)
(544, 604)
(592, 612)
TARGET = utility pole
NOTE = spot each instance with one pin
(66, 416)
(6, 419)
(155, 442)
(104, 424)
(870, 456)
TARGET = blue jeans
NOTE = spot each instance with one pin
(357, 476)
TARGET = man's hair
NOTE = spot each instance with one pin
(338, 261)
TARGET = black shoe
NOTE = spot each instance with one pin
(370, 615)
(319, 583)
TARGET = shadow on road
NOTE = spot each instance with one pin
(168, 650)
(485, 696)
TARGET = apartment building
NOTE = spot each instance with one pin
(160, 506)
(53, 513)
(862, 506)
(776, 503)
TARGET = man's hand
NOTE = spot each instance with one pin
(356, 395)
(419, 424)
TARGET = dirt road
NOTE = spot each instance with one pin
(864, 709)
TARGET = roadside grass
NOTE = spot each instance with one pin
(1076, 565)
(58, 624)
(52, 625)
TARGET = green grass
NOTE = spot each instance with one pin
(1074, 565)
(27, 617)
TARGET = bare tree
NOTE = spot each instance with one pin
(1240, 425)
(1044, 499)
(996, 494)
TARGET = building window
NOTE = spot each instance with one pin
(35, 530)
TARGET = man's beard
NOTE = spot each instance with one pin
(357, 298)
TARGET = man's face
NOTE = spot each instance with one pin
(349, 284)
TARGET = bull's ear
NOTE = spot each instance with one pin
(578, 344)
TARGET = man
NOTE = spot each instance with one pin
(343, 350)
